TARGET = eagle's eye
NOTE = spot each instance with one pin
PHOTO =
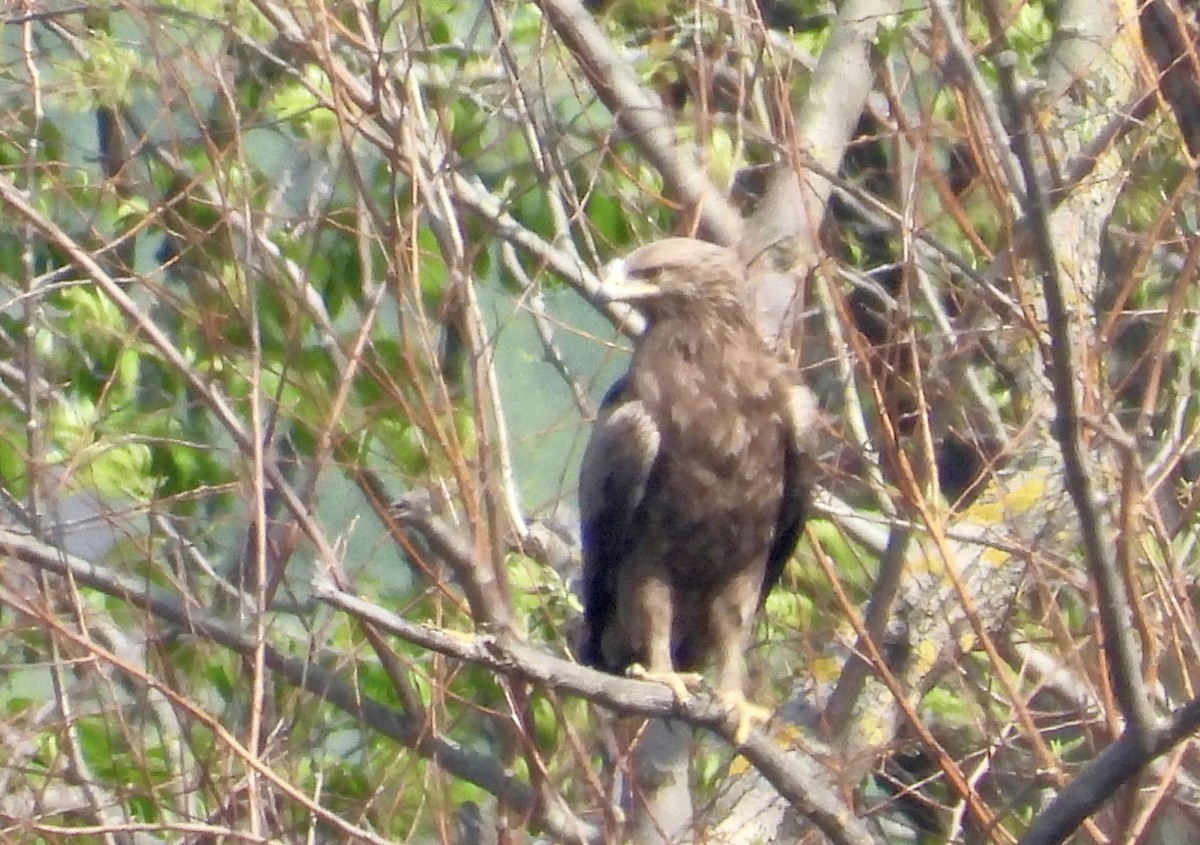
(643, 274)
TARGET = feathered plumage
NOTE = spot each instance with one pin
(692, 490)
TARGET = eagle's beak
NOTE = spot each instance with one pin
(616, 286)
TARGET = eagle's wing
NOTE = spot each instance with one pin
(612, 483)
(793, 506)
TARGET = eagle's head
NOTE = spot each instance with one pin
(676, 276)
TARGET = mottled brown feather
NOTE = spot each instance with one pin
(692, 490)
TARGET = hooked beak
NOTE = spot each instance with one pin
(616, 286)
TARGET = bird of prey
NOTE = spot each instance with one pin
(692, 491)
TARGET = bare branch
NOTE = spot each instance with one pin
(1116, 766)
(797, 776)
(1063, 372)
(488, 605)
(484, 771)
(644, 120)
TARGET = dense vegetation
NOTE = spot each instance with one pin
(269, 266)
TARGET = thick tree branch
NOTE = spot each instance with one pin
(799, 777)
(1119, 634)
(642, 117)
(838, 90)
(1171, 43)
(1116, 766)
(781, 244)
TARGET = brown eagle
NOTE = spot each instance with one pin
(692, 491)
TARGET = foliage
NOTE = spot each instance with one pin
(266, 265)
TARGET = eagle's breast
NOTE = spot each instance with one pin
(715, 490)
(692, 488)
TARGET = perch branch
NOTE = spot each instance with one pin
(799, 777)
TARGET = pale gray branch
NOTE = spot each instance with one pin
(643, 118)
(798, 777)
(483, 771)
(1120, 642)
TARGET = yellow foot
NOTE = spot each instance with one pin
(747, 712)
(679, 682)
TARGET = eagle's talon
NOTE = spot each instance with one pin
(747, 713)
(679, 682)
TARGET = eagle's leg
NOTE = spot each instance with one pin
(731, 679)
(654, 599)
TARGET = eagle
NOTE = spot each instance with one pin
(693, 488)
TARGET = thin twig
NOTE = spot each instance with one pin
(643, 119)
(1114, 608)
(217, 403)
(797, 776)
(482, 770)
